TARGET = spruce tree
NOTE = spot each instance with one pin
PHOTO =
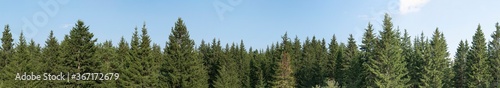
(348, 70)
(146, 60)
(128, 68)
(434, 67)
(6, 46)
(284, 73)
(228, 72)
(459, 67)
(478, 70)
(367, 54)
(106, 55)
(80, 49)
(52, 58)
(494, 56)
(389, 65)
(333, 49)
(183, 68)
(17, 64)
(408, 52)
(7, 51)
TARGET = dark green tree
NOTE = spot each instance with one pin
(284, 74)
(494, 56)
(389, 66)
(433, 74)
(333, 51)
(128, 68)
(80, 49)
(348, 69)
(478, 73)
(6, 46)
(183, 68)
(6, 51)
(367, 54)
(459, 67)
(52, 58)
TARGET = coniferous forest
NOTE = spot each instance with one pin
(389, 58)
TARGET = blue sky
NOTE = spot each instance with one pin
(258, 22)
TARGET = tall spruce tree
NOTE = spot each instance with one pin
(367, 54)
(478, 73)
(6, 46)
(407, 53)
(6, 52)
(284, 73)
(105, 54)
(459, 67)
(494, 56)
(128, 68)
(81, 49)
(389, 66)
(331, 63)
(348, 63)
(17, 64)
(228, 75)
(434, 67)
(183, 68)
(52, 58)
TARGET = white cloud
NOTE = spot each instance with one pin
(409, 6)
(64, 26)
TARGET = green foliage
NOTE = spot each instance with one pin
(387, 60)
(389, 66)
(434, 67)
(494, 56)
(367, 55)
(478, 67)
(284, 74)
(183, 67)
(459, 67)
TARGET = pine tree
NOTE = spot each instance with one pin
(459, 66)
(212, 61)
(333, 49)
(389, 65)
(156, 61)
(183, 68)
(348, 70)
(408, 52)
(6, 46)
(367, 51)
(494, 56)
(146, 60)
(478, 72)
(7, 51)
(80, 47)
(17, 64)
(284, 73)
(106, 55)
(434, 67)
(128, 69)
(256, 69)
(228, 75)
(135, 63)
(52, 58)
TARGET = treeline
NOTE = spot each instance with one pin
(387, 59)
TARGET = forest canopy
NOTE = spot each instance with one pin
(389, 58)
